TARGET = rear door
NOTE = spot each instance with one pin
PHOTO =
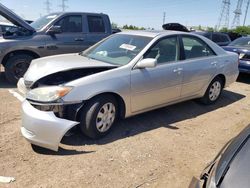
(199, 66)
(98, 28)
(72, 38)
(156, 86)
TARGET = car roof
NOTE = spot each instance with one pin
(162, 33)
(152, 33)
(65, 13)
(212, 32)
(244, 37)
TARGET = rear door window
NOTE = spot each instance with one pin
(96, 24)
(195, 48)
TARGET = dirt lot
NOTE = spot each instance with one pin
(162, 148)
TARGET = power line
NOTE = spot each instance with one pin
(237, 13)
(248, 2)
(224, 15)
(48, 6)
(63, 5)
(164, 17)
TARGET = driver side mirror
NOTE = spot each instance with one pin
(56, 29)
(146, 63)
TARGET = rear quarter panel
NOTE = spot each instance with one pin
(227, 62)
(230, 70)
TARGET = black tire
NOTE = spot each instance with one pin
(206, 99)
(16, 67)
(88, 116)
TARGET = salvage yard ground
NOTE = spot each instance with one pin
(162, 148)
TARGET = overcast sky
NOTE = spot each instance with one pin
(146, 13)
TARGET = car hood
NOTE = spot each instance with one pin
(13, 18)
(236, 49)
(42, 67)
(230, 151)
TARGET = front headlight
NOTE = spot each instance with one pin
(48, 94)
(241, 55)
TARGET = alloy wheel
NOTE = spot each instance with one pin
(105, 117)
(214, 91)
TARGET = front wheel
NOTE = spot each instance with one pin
(16, 67)
(99, 116)
(213, 91)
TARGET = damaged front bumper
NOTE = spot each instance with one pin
(43, 128)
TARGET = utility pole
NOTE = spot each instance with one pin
(164, 17)
(63, 5)
(237, 13)
(48, 6)
(248, 2)
(223, 21)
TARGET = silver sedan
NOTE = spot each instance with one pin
(123, 75)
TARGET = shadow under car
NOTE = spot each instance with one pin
(164, 117)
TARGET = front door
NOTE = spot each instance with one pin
(152, 87)
(71, 40)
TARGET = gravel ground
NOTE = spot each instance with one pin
(161, 148)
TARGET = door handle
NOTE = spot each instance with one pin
(178, 70)
(79, 39)
(51, 47)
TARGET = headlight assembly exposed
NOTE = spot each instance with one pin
(241, 55)
(48, 94)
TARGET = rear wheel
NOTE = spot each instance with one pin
(99, 116)
(213, 91)
(16, 67)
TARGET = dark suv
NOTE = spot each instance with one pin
(56, 33)
(222, 39)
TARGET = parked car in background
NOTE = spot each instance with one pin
(175, 27)
(230, 168)
(116, 30)
(241, 46)
(222, 39)
(56, 33)
(6, 27)
(123, 75)
(233, 35)
(29, 21)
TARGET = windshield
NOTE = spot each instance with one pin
(43, 21)
(118, 49)
(244, 41)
